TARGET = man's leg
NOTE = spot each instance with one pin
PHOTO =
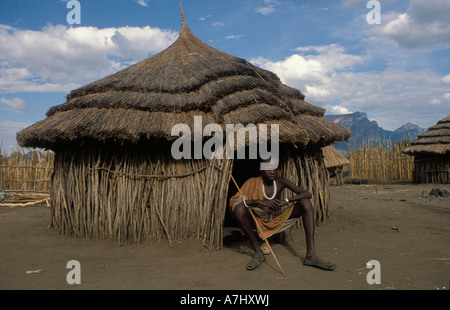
(246, 223)
(305, 209)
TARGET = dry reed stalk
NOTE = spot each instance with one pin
(382, 161)
(160, 217)
(139, 195)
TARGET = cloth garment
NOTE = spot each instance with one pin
(270, 224)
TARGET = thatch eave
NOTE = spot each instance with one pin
(435, 141)
(126, 125)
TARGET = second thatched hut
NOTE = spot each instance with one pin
(114, 176)
(431, 151)
(334, 161)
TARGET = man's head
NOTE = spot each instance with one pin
(269, 168)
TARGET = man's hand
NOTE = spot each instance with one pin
(271, 206)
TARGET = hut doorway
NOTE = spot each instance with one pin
(243, 169)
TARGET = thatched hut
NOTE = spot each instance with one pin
(334, 161)
(431, 151)
(114, 176)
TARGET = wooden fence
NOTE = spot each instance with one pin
(26, 170)
(380, 161)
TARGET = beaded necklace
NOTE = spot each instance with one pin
(274, 191)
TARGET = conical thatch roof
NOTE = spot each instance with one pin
(436, 140)
(333, 158)
(189, 78)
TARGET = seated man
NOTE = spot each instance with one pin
(274, 214)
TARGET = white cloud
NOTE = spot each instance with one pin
(265, 10)
(446, 79)
(142, 2)
(310, 72)
(205, 17)
(446, 97)
(425, 24)
(269, 7)
(16, 104)
(326, 76)
(61, 58)
(234, 36)
(338, 110)
(218, 24)
(8, 130)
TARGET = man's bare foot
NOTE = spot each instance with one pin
(315, 261)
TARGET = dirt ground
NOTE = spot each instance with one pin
(392, 223)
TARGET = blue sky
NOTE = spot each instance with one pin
(397, 71)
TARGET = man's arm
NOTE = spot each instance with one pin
(301, 193)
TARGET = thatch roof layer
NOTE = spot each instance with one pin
(189, 78)
(333, 158)
(436, 140)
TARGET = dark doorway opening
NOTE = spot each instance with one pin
(243, 169)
